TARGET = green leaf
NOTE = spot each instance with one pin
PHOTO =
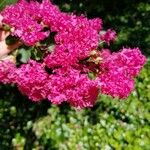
(24, 55)
(3, 3)
(10, 40)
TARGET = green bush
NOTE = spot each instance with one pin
(111, 123)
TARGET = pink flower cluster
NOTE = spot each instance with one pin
(76, 35)
(7, 72)
(72, 86)
(63, 75)
(119, 70)
(25, 21)
(75, 42)
(108, 36)
(64, 85)
(31, 79)
(115, 78)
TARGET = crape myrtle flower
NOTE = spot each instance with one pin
(7, 72)
(118, 70)
(23, 18)
(73, 87)
(77, 69)
(30, 80)
(108, 36)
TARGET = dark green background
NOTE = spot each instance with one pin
(110, 124)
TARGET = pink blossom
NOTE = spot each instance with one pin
(105, 54)
(73, 87)
(31, 79)
(7, 72)
(128, 61)
(21, 17)
(96, 23)
(108, 36)
(75, 42)
(132, 61)
(118, 69)
(51, 15)
(116, 84)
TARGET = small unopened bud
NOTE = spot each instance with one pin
(12, 29)
(94, 52)
(38, 44)
(6, 27)
(97, 60)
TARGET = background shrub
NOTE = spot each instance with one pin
(110, 124)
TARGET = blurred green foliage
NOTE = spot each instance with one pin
(111, 124)
(3, 3)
